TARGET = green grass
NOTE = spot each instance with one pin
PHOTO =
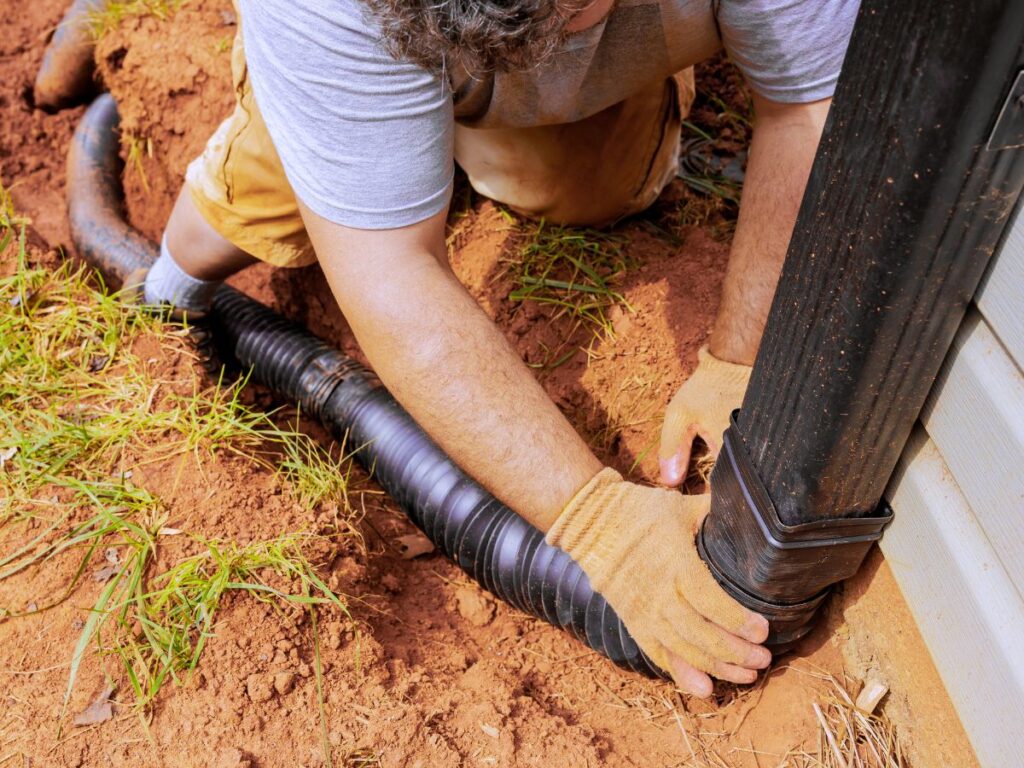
(160, 626)
(9, 221)
(115, 12)
(76, 400)
(80, 408)
(137, 149)
(575, 270)
(315, 475)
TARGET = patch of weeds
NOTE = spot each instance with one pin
(314, 474)
(157, 626)
(61, 410)
(9, 220)
(215, 419)
(160, 627)
(708, 176)
(137, 149)
(12, 229)
(79, 408)
(716, 136)
(705, 199)
(113, 505)
(573, 269)
(76, 401)
(110, 16)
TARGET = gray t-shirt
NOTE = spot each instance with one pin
(367, 141)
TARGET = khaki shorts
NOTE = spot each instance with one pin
(592, 172)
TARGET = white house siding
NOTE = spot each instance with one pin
(956, 545)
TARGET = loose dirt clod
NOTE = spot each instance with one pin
(233, 758)
(100, 709)
(474, 606)
(284, 682)
(260, 687)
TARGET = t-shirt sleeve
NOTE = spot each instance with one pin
(788, 50)
(366, 141)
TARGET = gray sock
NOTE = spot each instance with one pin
(167, 283)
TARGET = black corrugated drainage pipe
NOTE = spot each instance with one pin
(67, 76)
(484, 537)
(919, 168)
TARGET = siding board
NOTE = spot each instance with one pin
(1001, 296)
(969, 612)
(975, 416)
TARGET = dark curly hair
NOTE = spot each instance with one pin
(482, 36)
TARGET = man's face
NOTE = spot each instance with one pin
(590, 15)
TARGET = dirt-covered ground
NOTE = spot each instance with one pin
(439, 673)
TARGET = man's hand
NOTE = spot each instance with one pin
(455, 373)
(638, 546)
(701, 407)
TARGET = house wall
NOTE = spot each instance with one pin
(956, 545)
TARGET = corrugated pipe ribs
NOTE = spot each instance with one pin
(489, 541)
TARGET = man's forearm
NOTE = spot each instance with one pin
(452, 369)
(781, 154)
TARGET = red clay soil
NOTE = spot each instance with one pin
(442, 674)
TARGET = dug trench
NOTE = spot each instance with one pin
(433, 671)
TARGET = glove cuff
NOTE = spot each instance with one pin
(726, 373)
(577, 526)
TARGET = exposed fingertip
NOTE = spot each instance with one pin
(691, 680)
(761, 659)
(734, 674)
(746, 677)
(702, 690)
(755, 629)
(671, 470)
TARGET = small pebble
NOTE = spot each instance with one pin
(259, 688)
(871, 694)
(284, 682)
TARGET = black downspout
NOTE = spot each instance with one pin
(919, 169)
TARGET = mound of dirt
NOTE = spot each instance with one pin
(443, 675)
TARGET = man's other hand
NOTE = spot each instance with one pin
(701, 407)
(638, 546)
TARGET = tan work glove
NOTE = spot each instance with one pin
(702, 406)
(638, 546)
